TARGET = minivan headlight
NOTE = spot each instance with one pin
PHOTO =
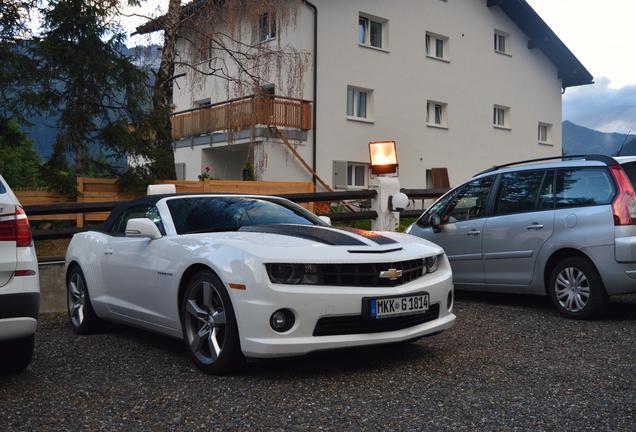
(432, 263)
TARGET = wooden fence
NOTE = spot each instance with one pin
(93, 190)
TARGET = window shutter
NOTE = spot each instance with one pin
(340, 174)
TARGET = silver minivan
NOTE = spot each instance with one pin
(566, 229)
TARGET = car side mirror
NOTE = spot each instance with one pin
(435, 222)
(325, 219)
(142, 227)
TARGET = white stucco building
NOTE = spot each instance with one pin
(458, 84)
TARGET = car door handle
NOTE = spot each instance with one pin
(473, 233)
(108, 251)
(535, 226)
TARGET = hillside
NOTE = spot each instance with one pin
(581, 140)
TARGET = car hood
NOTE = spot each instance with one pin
(306, 243)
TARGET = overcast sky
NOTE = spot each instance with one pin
(599, 33)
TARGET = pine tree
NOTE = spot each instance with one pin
(88, 83)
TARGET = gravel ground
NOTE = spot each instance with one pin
(510, 364)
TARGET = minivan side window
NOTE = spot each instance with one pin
(580, 187)
(465, 203)
(518, 192)
(546, 197)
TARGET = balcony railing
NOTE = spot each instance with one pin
(242, 113)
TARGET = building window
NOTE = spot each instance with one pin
(371, 31)
(500, 42)
(266, 27)
(205, 49)
(350, 175)
(544, 130)
(436, 114)
(356, 174)
(501, 117)
(436, 46)
(358, 101)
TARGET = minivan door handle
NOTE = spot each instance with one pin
(535, 226)
(473, 233)
(108, 251)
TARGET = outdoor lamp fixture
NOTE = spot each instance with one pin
(383, 157)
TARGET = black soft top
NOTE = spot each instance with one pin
(107, 226)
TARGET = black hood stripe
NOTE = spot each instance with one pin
(371, 235)
(329, 236)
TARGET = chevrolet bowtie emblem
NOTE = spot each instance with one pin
(391, 274)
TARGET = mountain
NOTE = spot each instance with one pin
(581, 140)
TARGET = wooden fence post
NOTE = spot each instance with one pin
(80, 198)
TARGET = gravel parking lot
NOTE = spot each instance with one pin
(510, 364)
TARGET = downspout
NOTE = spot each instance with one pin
(314, 115)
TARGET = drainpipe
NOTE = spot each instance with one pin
(314, 116)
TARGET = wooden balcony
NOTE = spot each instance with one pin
(242, 113)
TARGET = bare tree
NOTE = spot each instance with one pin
(233, 41)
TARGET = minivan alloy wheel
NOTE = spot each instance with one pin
(572, 289)
(205, 324)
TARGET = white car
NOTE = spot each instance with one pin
(252, 276)
(19, 284)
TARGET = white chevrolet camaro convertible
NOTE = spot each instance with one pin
(252, 276)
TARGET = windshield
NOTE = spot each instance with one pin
(212, 214)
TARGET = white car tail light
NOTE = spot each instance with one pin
(15, 227)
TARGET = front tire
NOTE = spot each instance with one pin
(17, 354)
(81, 314)
(576, 289)
(209, 325)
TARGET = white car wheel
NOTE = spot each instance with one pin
(80, 311)
(209, 326)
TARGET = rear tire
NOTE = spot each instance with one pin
(576, 289)
(81, 314)
(17, 354)
(210, 331)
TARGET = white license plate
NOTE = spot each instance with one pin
(391, 306)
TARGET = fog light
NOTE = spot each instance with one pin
(282, 320)
(449, 300)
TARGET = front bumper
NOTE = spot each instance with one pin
(254, 307)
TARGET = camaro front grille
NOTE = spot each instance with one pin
(356, 324)
(368, 275)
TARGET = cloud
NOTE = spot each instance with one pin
(601, 107)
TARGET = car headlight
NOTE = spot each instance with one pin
(432, 263)
(293, 274)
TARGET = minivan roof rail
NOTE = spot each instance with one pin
(607, 160)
